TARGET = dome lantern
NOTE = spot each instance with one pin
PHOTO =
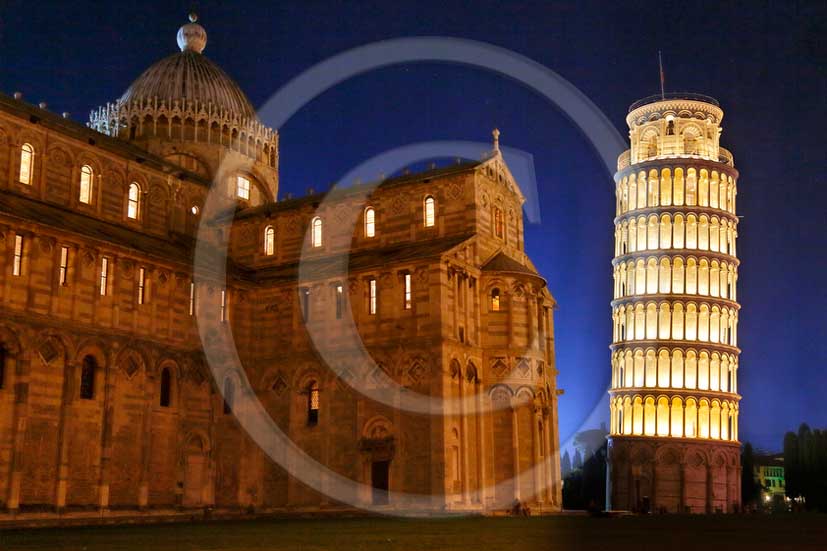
(192, 37)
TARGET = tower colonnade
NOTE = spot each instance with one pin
(674, 401)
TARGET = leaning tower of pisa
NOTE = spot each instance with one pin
(674, 395)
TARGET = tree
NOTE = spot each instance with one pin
(585, 487)
(750, 489)
(565, 464)
(792, 476)
(578, 460)
(805, 466)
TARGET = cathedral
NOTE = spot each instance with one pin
(109, 400)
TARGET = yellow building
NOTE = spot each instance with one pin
(769, 474)
(674, 390)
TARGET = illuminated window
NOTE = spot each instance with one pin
(313, 404)
(370, 222)
(87, 378)
(430, 211)
(229, 396)
(17, 265)
(498, 222)
(340, 301)
(316, 232)
(166, 388)
(104, 275)
(304, 297)
(495, 300)
(408, 301)
(372, 297)
(86, 176)
(141, 285)
(242, 187)
(192, 298)
(64, 266)
(133, 205)
(223, 313)
(270, 241)
(26, 164)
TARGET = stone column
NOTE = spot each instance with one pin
(481, 447)
(515, 442)
(653, 500)
(538, 461)
(106, 434)
(63, 432)
(709, 489)
(552, 458)
(610, 480)
(466, 496)
(146, 441)
(22, 369)
(728, 488)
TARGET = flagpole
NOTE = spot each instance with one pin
(662, 78)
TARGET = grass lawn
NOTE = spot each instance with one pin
(805, 532)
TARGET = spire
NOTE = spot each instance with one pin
(496, 134)
(192, 37)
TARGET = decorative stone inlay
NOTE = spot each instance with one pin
(48, 352)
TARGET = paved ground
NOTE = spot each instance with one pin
(799, 533)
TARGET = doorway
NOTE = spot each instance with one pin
(194, 481)
(379, 475)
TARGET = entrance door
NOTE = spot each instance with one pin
(194, 481)
(379, 481)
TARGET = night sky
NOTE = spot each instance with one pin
(765, 62)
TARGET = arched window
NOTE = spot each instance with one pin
(87, 378)
(86, 177)
(133, 204)
(26, 164)
(316, 232)
(166, 388)
(269, 240)
(370, 222)
(429, 211)
(649, 416)
(495, 300)
(499, 228)
(229, 396)
(312, 404)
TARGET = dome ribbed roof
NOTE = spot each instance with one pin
(189, 75)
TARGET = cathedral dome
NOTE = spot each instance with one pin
(189, 76)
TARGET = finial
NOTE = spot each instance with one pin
(192, 37)
(496, 134)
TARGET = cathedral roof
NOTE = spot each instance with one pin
(189, 76)
(504, 263)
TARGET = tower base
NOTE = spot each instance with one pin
(675, 475)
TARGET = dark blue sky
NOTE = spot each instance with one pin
(765, 62)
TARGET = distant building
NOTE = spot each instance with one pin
(769, 474)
